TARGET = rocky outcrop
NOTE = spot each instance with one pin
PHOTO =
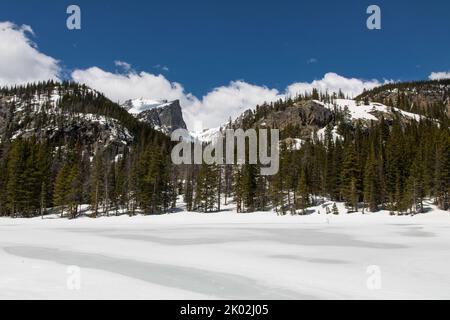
(161, 115)
(306, 115)
(167, 118)
(311, 113)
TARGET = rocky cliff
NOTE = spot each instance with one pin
(165, 116)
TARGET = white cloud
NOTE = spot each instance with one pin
(122, 64)
(312, 60)
(120, 87)
(21, 62)
(217, 106)
(20, 59)
(161, 67)
(439, 75)
(332, 82)
(211, 110)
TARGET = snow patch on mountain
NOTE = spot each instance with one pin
(163, 115)
(360, 111)
(321, 134)
(40, 114)
(207, 135)
(137, 106)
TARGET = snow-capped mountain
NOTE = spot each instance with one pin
(137, 106)
(311, 116)
(306, 119)
(165, 116)
(358, 110)
(59, 111)
(207, 135)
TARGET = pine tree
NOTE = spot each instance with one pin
(371, 182)
(442, 171)
(349, 178)
(335, 209)
(249, 184)
(74, 192)
(415, 184)
(189, 194)
(206, 188)
(97, 173)
(62, 189)
(302, 193)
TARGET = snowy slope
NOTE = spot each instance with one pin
(321, 134)
(360, 111)
(162, 115)
(228, 256)
(28, 113)
(357, 111)
(137, 106)
(206, 135)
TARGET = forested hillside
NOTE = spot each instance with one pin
(430, 98)
(367, 155)
(65, 145)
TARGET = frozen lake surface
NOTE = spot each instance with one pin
(227, 256)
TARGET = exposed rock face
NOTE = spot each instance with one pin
(313, 114)
(161, 115)
(304, 114)
(167, 118)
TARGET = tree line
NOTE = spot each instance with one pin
(390, 164)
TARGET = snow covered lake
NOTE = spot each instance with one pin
(227, 256)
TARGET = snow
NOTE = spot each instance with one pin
(294, 143)
(228, 256)
(48, 103)
(357, 110)
(321, 134)
(117, 131)
(360, 111)
(207, 135)
(37, 102)
(140, 105)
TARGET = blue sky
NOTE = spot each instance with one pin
(207, 44)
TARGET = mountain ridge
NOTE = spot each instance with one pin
(163, 115)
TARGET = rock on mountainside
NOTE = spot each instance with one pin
(299, 120)
(427, 97)
(309, 115)
(165, 116)
(304, 113)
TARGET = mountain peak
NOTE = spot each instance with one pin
(162, 115)
(139, 105)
